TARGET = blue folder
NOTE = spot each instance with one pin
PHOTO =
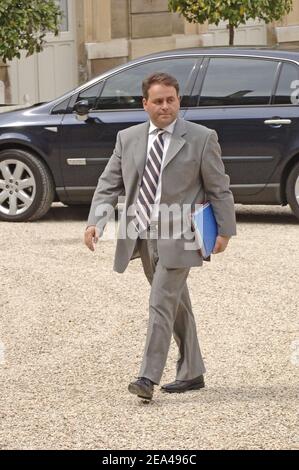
(205, 227)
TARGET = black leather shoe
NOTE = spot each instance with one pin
(181, 386)
(142, 387)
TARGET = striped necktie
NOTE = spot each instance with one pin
(149, 184)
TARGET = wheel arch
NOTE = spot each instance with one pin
(286, 171)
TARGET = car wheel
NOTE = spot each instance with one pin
(292, 189)
(26, 186)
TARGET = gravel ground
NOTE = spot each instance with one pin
(72, 335)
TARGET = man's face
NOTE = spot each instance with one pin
(162, 105)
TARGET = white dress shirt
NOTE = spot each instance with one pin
(152, 133)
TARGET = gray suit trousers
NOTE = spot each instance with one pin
(170, 312)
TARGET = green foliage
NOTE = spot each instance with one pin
(24, 24)
(235, 12)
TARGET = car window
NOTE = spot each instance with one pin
(234, 81)
(287, 88)
(61, 107)
(90, 94)
(123, 90)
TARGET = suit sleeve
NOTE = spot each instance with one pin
(110, 186)
(216, 185)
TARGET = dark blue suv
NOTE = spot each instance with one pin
(56, 151)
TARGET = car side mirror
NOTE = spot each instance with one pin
(82, 109)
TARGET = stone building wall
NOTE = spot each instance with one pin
(115, 31)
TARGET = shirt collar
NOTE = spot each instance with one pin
(170, 128)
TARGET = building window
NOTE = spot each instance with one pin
(63, 5)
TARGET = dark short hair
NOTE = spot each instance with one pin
(162, 79)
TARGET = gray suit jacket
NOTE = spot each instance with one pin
(193, 172)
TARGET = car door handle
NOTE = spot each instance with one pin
(277, 122)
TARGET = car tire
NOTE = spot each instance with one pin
(26, 186)
(292, 189)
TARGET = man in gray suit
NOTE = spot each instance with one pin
(166, 163)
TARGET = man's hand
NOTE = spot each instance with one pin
(220, 244)
(91, 237)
